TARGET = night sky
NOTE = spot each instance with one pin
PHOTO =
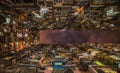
(83, 36)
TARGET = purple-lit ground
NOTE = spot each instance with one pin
(69, 36)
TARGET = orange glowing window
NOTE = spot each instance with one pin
(79, 9)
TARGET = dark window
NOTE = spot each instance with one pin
(58, 1)
(9, 39)
(28, 1)
(69, 0)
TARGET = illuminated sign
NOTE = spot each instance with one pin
(58, 63)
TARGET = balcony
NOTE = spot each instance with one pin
(68, 2)
(49, 3)
(97, 3)
(58, 5)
